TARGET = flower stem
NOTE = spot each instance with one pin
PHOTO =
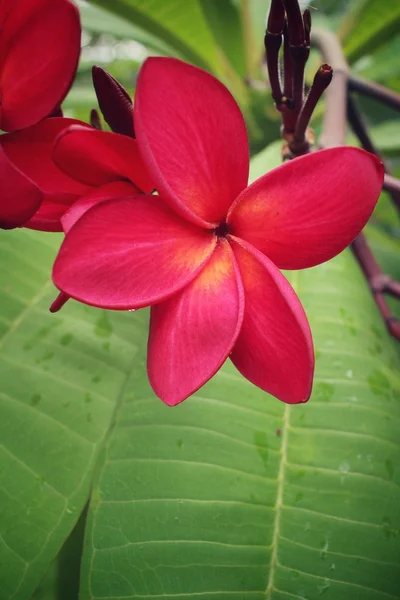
(374, 90)
(322, 79)
(272, 42)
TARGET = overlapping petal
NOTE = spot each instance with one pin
(192, 333)
(39, 53)
(274, 349)
(192, 136)
(98, 157)
(129, 253)
(108, 191)
(31, 151)
(309, 209)
(20, 198)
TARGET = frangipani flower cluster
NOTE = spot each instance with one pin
(205, 251)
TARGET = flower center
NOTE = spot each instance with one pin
(222, 230)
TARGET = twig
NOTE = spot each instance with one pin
(374, 90)
(334, 133)
(321, 81)
(334, 122)
(391, 184)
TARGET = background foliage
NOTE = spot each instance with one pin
(105, 492)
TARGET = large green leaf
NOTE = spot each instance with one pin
(369, 25)
(235, 495)
(179, 23)
(224, 21)
(231, 494)
(59, 381)
(384, 64)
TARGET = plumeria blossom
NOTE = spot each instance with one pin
(205, 254)
(36, 72)
(31, 152)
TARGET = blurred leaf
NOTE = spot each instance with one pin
(267, 159)
(98, 20)
(386, 137)
(383, 64)
(178, 23)
(235, 495)
(386, 249)
(182, 25)
(224, 21)
(369, 25)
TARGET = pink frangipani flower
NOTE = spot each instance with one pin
(205, 254)
(39, 53)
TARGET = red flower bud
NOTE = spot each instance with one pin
(114, 101)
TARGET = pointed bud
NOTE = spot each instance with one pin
(114, 101)
(295, 23)
(59, 302)
(57, 112)
(276, 18)
(95, 119)
(307, 25)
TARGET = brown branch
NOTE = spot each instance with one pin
(334, 134)
(391, 184)
(374, 90)
(359, 127)
(334, 122)
(322, 79)
(272, 43)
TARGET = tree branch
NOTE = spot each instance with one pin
(334, 134)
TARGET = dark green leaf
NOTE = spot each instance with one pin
(234, 495)
(369, 25)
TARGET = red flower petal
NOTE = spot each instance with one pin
(130, 253)
(109, 191)
(20, 198)
(98, 157)
(39, 53)
(31, 151)
(48, 217)
(309, 209)
(192, 136)
(274, 349)
(192, 333)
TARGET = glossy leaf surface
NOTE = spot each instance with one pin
(230, 495)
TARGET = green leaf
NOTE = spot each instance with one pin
(386, 137)
(386, 249)
(235, 495)
(369, 26)
(383, 64)
(231, 494)
(100, 21)
(182, 25)
(61, 581)
(224, 21)
(60, 376)
(178, 23)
